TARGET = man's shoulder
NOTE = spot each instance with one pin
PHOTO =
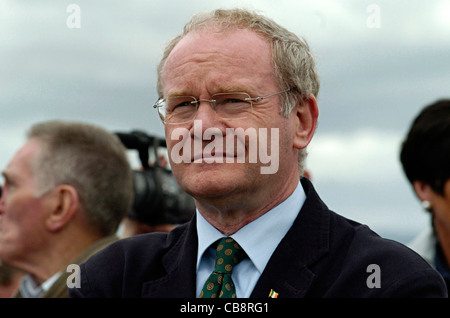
(120, 269)
(346, 258)
(148, 245)
(379, 267)
(358, 242)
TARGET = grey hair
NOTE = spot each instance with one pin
(293, 61)
(90, 159)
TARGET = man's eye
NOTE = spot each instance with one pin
(178, 104)
(186, 103)
(234, 100)
(7, 185)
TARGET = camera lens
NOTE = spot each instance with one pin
(144, 190)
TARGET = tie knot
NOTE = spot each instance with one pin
(228, 254)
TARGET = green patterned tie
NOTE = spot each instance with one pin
(219, 283)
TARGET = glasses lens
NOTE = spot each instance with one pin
(179, 109)
(232, 105)
(160, 106)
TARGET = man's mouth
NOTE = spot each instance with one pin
(213, 156)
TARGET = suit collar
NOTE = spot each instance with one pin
(287, 272)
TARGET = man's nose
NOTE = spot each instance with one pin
(208, 119)
(205, 110)
(206, 114)
(2, 200)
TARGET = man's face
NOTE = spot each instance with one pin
(20, 210)
(205, 63)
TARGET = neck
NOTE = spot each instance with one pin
(443, 233)
(229, 216)
(60, 254)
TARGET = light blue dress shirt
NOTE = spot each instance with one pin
(259, 239)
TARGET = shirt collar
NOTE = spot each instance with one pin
(206, 233)
(259, 238)
(29, 288)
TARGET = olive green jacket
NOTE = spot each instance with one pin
(59, 287)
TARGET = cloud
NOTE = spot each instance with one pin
(358, 174)
(350, 157)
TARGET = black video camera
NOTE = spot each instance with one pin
(158, 199)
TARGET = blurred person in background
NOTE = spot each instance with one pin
(131, 227)
(425, 157)
(138, 224)
(65, 193)
(9, 277)
(9, 280)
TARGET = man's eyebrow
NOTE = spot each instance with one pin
(177, 93)
(221, 89)
(234, 88)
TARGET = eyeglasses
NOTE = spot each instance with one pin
(230, 106)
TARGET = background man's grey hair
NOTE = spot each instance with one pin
(90, 159)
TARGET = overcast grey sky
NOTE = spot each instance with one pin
(380, 62)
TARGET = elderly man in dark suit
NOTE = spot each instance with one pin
(237, 96)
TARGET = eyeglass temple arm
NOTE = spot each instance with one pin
(157, 104)
(257, 99)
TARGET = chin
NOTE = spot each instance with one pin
(208, 182)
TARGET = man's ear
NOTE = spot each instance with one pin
(63, 205)
(423, 190)
(306, 114)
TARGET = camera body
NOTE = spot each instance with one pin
(158, 199)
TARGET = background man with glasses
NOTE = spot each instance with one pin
(237, 69)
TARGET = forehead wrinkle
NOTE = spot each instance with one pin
(186, 71)
(235, 88)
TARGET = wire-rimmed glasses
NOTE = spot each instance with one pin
(229, 106)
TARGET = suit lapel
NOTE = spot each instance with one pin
(180, 265)
(285, 275)
(287, 272)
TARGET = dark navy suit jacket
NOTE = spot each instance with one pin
(322, 255)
